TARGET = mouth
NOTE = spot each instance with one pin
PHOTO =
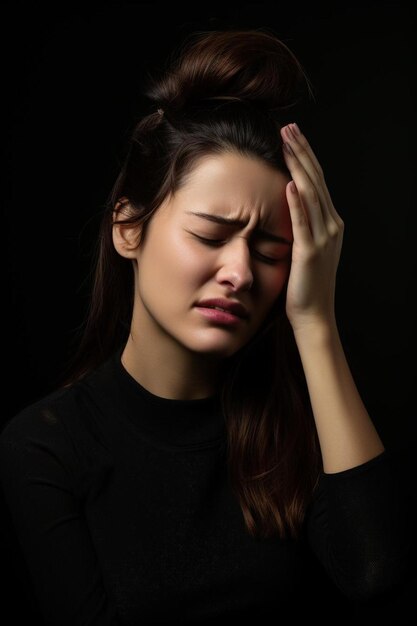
(220, 316)
(224, 305)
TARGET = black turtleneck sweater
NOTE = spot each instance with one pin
(123, 511)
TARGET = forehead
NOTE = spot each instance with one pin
(234, 186)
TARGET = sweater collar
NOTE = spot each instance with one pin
(179, 423)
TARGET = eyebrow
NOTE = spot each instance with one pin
(227, 221)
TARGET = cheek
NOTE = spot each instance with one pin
(179, 262)
(274, 285)
(190, 261)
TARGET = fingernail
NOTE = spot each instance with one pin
(295, 129)
(289, 133)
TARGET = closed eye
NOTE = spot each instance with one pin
(211, 241)
(218, 242)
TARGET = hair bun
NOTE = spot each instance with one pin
(248, 65)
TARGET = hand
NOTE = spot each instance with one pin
(318, 234)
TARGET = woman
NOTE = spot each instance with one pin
(210, 437)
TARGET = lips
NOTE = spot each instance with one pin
(225, 305)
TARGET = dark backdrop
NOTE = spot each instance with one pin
(73, 85)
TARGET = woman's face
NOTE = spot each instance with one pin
(176, 269)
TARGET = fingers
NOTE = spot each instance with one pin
(308, 176)
(306, 194)
(293, 134)
(300, 223)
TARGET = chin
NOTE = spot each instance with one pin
(221, 351)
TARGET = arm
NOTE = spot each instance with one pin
(359, 528)
(39, 487)
(357, 524)
(346, 433)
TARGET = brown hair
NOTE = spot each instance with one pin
(226, 91)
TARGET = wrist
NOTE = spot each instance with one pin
(315, 331)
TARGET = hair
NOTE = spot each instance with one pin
(225, 91)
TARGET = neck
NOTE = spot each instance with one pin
(170, 371)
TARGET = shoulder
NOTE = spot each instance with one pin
(34, 444)
(65, 417)
(41, 414)
(64, 434)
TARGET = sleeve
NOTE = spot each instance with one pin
(358, 527)
(37, 478)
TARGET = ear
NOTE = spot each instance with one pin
(126, 237)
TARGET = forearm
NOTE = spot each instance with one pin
(346, 433)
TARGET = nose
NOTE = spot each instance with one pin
(236, 266)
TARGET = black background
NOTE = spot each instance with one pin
(73, 76)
